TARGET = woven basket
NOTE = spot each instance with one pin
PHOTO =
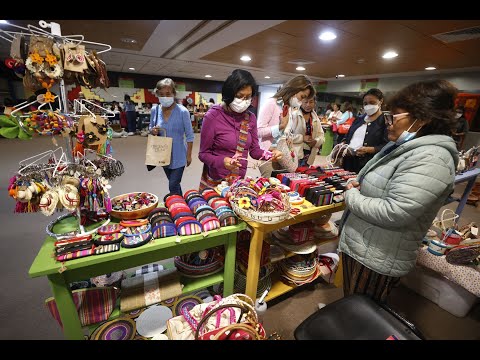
(271, 217)
(134, 214)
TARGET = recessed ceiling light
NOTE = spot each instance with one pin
(327, 36)
(131, 68)
(267, 77)
(128, 40)
(300, 68)
(431, 68)
(3, 22)
(245, 58)
(209, 76)
(340, 75)
(389, 55)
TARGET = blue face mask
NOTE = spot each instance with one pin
(407, 136)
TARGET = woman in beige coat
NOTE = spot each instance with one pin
(308, 135)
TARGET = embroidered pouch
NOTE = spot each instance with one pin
(136, 240)
(103, 249)
(228, 219)
(77, 254)
(190, 227)
(210, 223)
(109, 229)
(164, 230)
(114, 238)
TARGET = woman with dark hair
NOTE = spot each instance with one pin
(175, 120)
(368, 133)
(345, 118)
(462, 127)
(273, 118)
(229, 132)
(131, 114)
(395, 197)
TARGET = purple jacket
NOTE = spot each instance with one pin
(219, 139)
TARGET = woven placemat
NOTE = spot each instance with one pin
(153, 321)
(117, 329)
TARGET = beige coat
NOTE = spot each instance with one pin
(298, 130)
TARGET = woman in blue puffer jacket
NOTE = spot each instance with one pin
(395, 197)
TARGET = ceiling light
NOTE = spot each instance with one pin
(128, 40)
(300, 68)
(340, 75)
(431, 68)
(3, 22)
(389, 55)
(245, 58)
(209, 76)
(267, 77)
(327, 36)
(131, 68)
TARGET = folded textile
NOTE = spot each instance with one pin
(148, 289)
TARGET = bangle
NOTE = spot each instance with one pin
(69, 234)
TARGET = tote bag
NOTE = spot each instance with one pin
(159, 150)
(343, 128)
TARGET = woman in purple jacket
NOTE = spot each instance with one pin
(229, 132)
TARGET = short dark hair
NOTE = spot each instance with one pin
(236, 81)
(430, 100)
(375, 92)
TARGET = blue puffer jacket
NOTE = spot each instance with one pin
(400, 194)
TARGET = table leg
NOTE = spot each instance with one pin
(464, 197)
(338, 281)
(229, 267)
(72, 328)
(254, 256)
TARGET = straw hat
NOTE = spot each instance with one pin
(48, 202)
(68, 196)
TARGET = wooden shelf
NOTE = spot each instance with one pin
(194, 284)
(287, 254)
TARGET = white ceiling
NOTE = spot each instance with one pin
(175, 49)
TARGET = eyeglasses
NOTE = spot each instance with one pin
(390, 118)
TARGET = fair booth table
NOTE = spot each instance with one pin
(469, 176)
(259, 232)
(95, 265)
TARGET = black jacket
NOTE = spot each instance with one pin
(375, 136)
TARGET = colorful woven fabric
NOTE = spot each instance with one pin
(164, 230)
(189, 228)
(119, 329)
(93, 305)
(76, 254)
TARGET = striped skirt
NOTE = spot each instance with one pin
(357, 278)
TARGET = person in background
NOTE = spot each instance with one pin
(198, 116)
(224, 129)
(211, 102)
(308, 133)
(148, 108)
(461, 129)
(116, 110)
(328, 110)
(273, 118)
(131, 114)
(397, 194)
(368, 133)
(175, 119)
(348, 113)
(334, 116)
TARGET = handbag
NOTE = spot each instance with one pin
(93, 305)
(159, 150)
(343, 128)
(289, 160)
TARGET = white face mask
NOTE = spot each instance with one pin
(458, 115)
(371, 109)
(294, 102)
(166, 101)
(239, 105)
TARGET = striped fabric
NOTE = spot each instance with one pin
(76, 254)
(164, 230)
(360, 279)
(189, 228)
(102, 249)
(93, 305)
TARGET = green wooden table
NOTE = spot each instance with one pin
(158, 249)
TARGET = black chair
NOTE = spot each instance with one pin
(356, 317)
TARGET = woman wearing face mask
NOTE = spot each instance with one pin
(368, 133)
(229, 127)
(308, 134)
(175, 119)
(395, 197)
(274, 115)
(461, 129)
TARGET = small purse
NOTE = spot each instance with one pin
(189, 227)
